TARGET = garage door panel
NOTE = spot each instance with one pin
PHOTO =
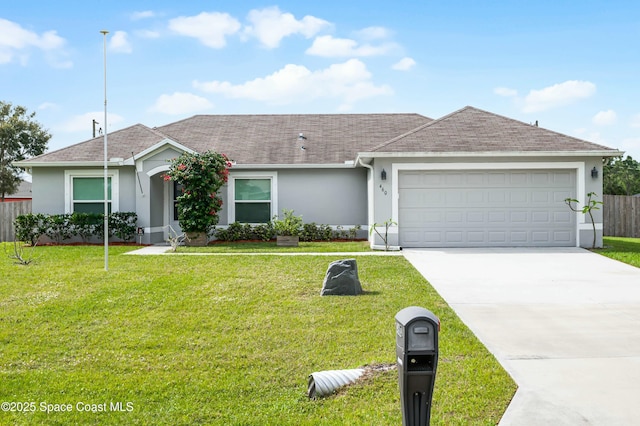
(540, 197)
(562, 236)
(563, 218)
(486, 208)
(519, 237)
(476, 197)
(540, 217)
(563, 178)
(518, 178)
(519, 217)
(560, 196)
(497, 217)
(454, 179)
(518, 197)
(496, 178)
(476, 216)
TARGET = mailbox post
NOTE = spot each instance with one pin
(417, 357)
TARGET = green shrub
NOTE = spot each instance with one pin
(264, 232)
(123, 225)
(29, 227)
(58, 227)
(61, 227)
(267, 231)
(289, 225)
(234, 232)
(85, 224)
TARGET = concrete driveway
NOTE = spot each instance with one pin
(565, 323)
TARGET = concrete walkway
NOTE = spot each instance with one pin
(166, 249)
(565, 323)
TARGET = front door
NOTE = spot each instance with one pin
(173, 190)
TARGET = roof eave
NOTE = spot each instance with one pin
(31, 164)
(368, 156)
(345, 165)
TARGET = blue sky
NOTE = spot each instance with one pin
(572, 66)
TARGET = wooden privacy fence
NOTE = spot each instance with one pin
(8, 213)
(621, 216)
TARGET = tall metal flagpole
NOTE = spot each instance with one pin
(106, 182)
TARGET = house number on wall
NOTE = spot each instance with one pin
(383, 190)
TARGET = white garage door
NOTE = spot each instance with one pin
(503, 208)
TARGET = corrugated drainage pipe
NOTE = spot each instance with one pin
(323, 383)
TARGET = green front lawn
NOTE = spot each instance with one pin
(626, 250)
(186, 340)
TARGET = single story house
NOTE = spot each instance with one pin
(469, 179)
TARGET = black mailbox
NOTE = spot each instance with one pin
(417, 357)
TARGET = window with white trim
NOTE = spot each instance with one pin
(84, 191)
(252, 197)
(177, 191)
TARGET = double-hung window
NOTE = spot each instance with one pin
(177, 191)
(84, 191)
(252, 197)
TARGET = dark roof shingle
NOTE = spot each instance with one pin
(474, 130)
(329, 138)
(273, 139)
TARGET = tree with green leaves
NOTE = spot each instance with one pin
(21, 137)
(621, 177)
(587, 209)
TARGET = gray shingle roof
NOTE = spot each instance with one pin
(474, 130)
(330, 138)
(273, 139)
(255, 139)
(120, 144)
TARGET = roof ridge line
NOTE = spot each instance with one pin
(538, 127)
(417, 129)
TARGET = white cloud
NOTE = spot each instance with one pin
(181, 103)
(270, 26)
(373, 33)
(84, 122)
(505, 91)
(635, 120)
(47, 105)
(16, 42)
(348, 82)
(405, 64)
(136, 16)
(558, 95)
(330, 47)
(119, 42)
(211, 29)
(605, 118)
(150, 34)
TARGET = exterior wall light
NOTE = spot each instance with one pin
(383, 175)
(594, 173)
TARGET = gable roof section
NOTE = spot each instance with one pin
(249, 139)
(472, 130)
(329, 139)
(273, 139)
(121, 144)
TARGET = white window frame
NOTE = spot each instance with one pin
(69, 175)
(231, 191)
